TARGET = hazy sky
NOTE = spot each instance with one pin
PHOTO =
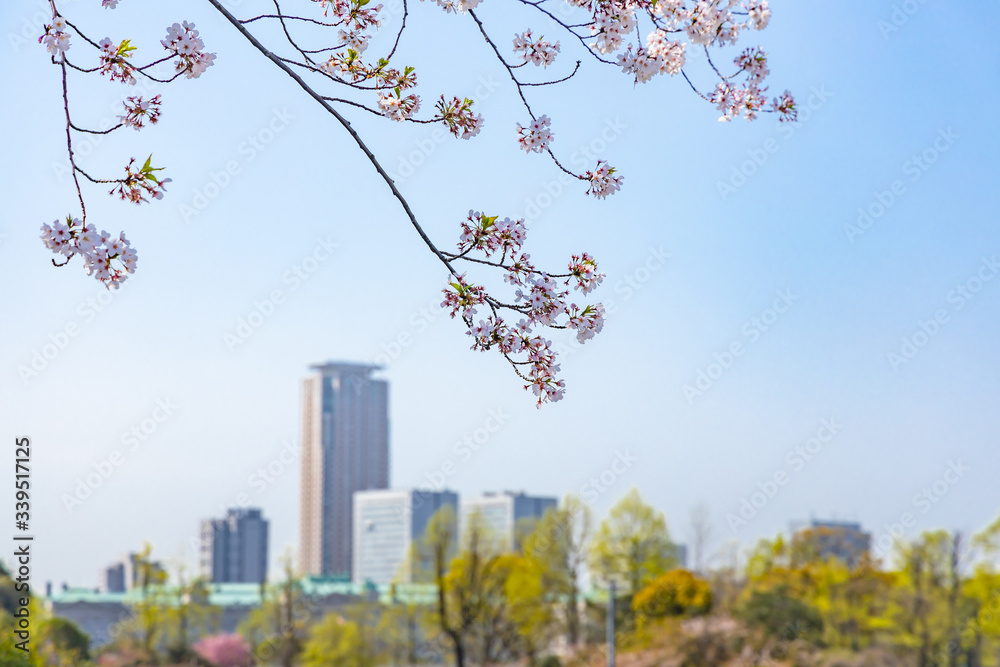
(718, 228)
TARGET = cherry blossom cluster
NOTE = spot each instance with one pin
(583, 269)
(612, 23)
(754, 62)
(138, 111)
(139, 182)
(354, 40)
(785, 105)
(710, 22)
(457, 115)
(463, 298)
(457, 6)
(735, 100)
(397, 106)
(659, 56)
(183, 40)
(540, 300)
(603, 181)
(109, 4)
(489, 234)
(587, 321)
(354, 13)
(536, 51)
(536, 137)
(114, 61)
(704, 23)
(56, 37)
(759, 13)
(105, 257)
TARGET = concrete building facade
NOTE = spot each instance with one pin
(234, 548)
(345, 448)
(389, 527)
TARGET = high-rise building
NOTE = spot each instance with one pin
(345, 448)
(113, 578)
(130, 572)
(507, 516)
(388, 529)
(234, 548)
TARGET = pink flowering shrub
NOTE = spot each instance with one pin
(224, 650)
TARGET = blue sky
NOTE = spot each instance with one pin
(873, 101)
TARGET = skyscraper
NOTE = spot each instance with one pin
(507, 516)
(234, 549)
(388, 527)
(345, 448)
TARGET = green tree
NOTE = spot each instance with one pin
(187, 616)
(277, 628)
(334, 642)
(782, 615)
(147, 625)
(61, 643)
(632, 546)
(401, 628)
(456, 608)
(676, 593)
(559, 546)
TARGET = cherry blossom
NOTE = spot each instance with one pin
(535, 137)
(583, 268)
(183, 40)
(457, 115)
(785, 105)
(355, 41)
(56, 38)
(111, 260)
(398, 107)
(603, 182)
(140, 181)
(760, 15)
(608, 31)
(457, 6)
(114, 61)
(357, 14)
(138, 111)
(536, 51)
(754, 63)
(463, 297)
(539, 300)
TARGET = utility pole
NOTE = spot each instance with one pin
(611, 625)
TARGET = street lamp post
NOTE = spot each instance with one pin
(611, 625)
